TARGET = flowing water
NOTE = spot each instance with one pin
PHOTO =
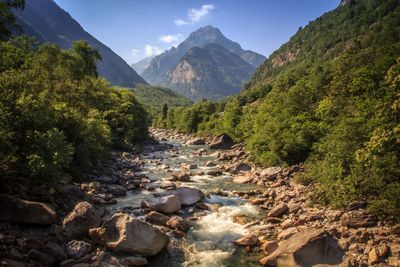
(209, 240)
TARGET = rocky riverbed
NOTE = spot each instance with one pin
(186, 201)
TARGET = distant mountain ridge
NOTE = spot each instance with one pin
(210, 72)
(164, 65)
(141, 65)
(47, 22)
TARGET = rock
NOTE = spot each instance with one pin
(154, 217)
(78, 249)
(94, 186)
(285, 234)
(178, 223)
(355, 205)
(357, 219)
(248, 240)
(167, 204)
(134, 261)
(373, 257)
(196, 142)
(43, 258)
(116, 190)
(214, 172)
(222, 141)
(167, 185)
(271, 172)
(241, 167)
(307, 248)
(189, 167)
(56, 251)
(125, 234)
(181, 176)
(278, 210)
(242, 179)
(78, 222)
(210, 164)
(269, 247)
(188, 195)
(23, 211)
(333, 215)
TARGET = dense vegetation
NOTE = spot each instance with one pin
(330, 98)
(57, 118)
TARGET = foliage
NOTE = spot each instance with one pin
(329, 98)
(7, 18)
(57, 118)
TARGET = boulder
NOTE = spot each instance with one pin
(271, 172)
(188, 195)
(222, 141)
(242, 179)
(167, 204)
(125, 234)
(181, 176)
(269, 246)
(178, 223)
(241, 167)
(189, 166)
(157, 218)
(248, 240)
(134, 261)
(78, 222)
(357, 219)
(78, 249)
(116, 190)
(196, 142)
(23, 211)
(214, 172)
(278, 210)
(307, 248)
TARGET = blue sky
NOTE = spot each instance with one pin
(135, 29)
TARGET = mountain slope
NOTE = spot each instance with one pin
(46, 21)
(158, 70)
(329, 98)
(157, 96)
(141, 65)
(209, 72)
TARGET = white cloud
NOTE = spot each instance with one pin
(170, 38)
(135, 52)
(180, 22)
(150, 50)
(195, 15)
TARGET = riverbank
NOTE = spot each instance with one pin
(200, 207)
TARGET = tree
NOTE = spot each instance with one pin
(7, 17)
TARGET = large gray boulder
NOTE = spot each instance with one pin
(23, 211)
(222, 141)
(307, 248)
(188, 195)
(125, 234)
(167, 204)
(78, 222)
(196, 142)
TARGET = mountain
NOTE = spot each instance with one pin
(209, 72)
(141, 65)
(47, 22)
(156, 97)
(160, 68)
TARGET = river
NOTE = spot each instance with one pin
(209, 242)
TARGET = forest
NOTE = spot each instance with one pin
(329, 98)
(58, 119)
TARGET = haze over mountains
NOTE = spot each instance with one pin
(47, 22)
(208, 71)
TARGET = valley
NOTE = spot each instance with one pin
(201, 153)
